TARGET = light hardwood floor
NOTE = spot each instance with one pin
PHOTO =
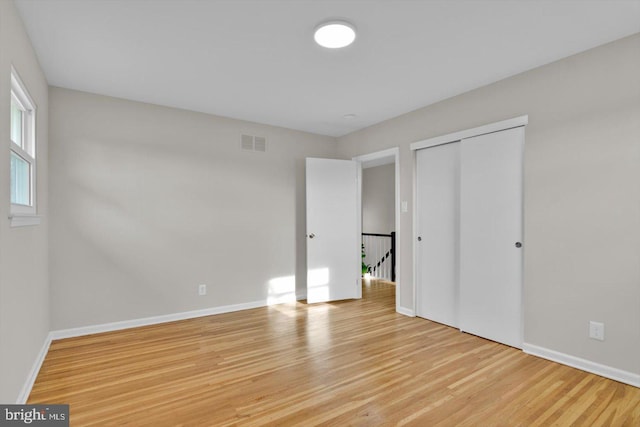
(338, 364)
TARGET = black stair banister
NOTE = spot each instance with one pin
(380, 262)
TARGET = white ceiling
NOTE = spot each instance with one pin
(256, 60)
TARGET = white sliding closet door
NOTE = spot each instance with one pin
(490, 236)
(437, 231)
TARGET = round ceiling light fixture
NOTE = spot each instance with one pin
(335, 34)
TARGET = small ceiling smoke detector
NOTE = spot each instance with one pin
(335, 34)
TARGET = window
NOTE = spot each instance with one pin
(23, 154)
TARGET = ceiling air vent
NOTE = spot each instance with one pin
(253, 143)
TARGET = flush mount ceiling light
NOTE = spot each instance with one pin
(335, 34)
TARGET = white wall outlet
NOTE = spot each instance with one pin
(202, 289)
(596, 330)
(405, 207)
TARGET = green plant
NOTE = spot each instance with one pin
(365, 267)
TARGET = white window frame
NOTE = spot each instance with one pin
(25, 214)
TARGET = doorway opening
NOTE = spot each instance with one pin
(379, 213)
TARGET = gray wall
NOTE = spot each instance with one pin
(24, 285)
(582, 193)
(147, 202)
(378, 199)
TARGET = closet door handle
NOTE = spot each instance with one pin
(518, 245)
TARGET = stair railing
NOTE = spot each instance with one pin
(380, 255)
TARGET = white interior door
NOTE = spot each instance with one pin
(333, 249)
(437, 225)
(490, 236)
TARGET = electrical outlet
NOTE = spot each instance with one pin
(202, 289)
(596, 330)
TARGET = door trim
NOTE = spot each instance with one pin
(372, 158)
(468, 133)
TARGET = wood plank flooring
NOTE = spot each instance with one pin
(347, 363)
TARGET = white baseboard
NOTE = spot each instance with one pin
(405, 311)
(583, 364)
(33, 374)
(126, 324)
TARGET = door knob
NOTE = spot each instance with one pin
(518, 245)
(311, 236)
(419, 239)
